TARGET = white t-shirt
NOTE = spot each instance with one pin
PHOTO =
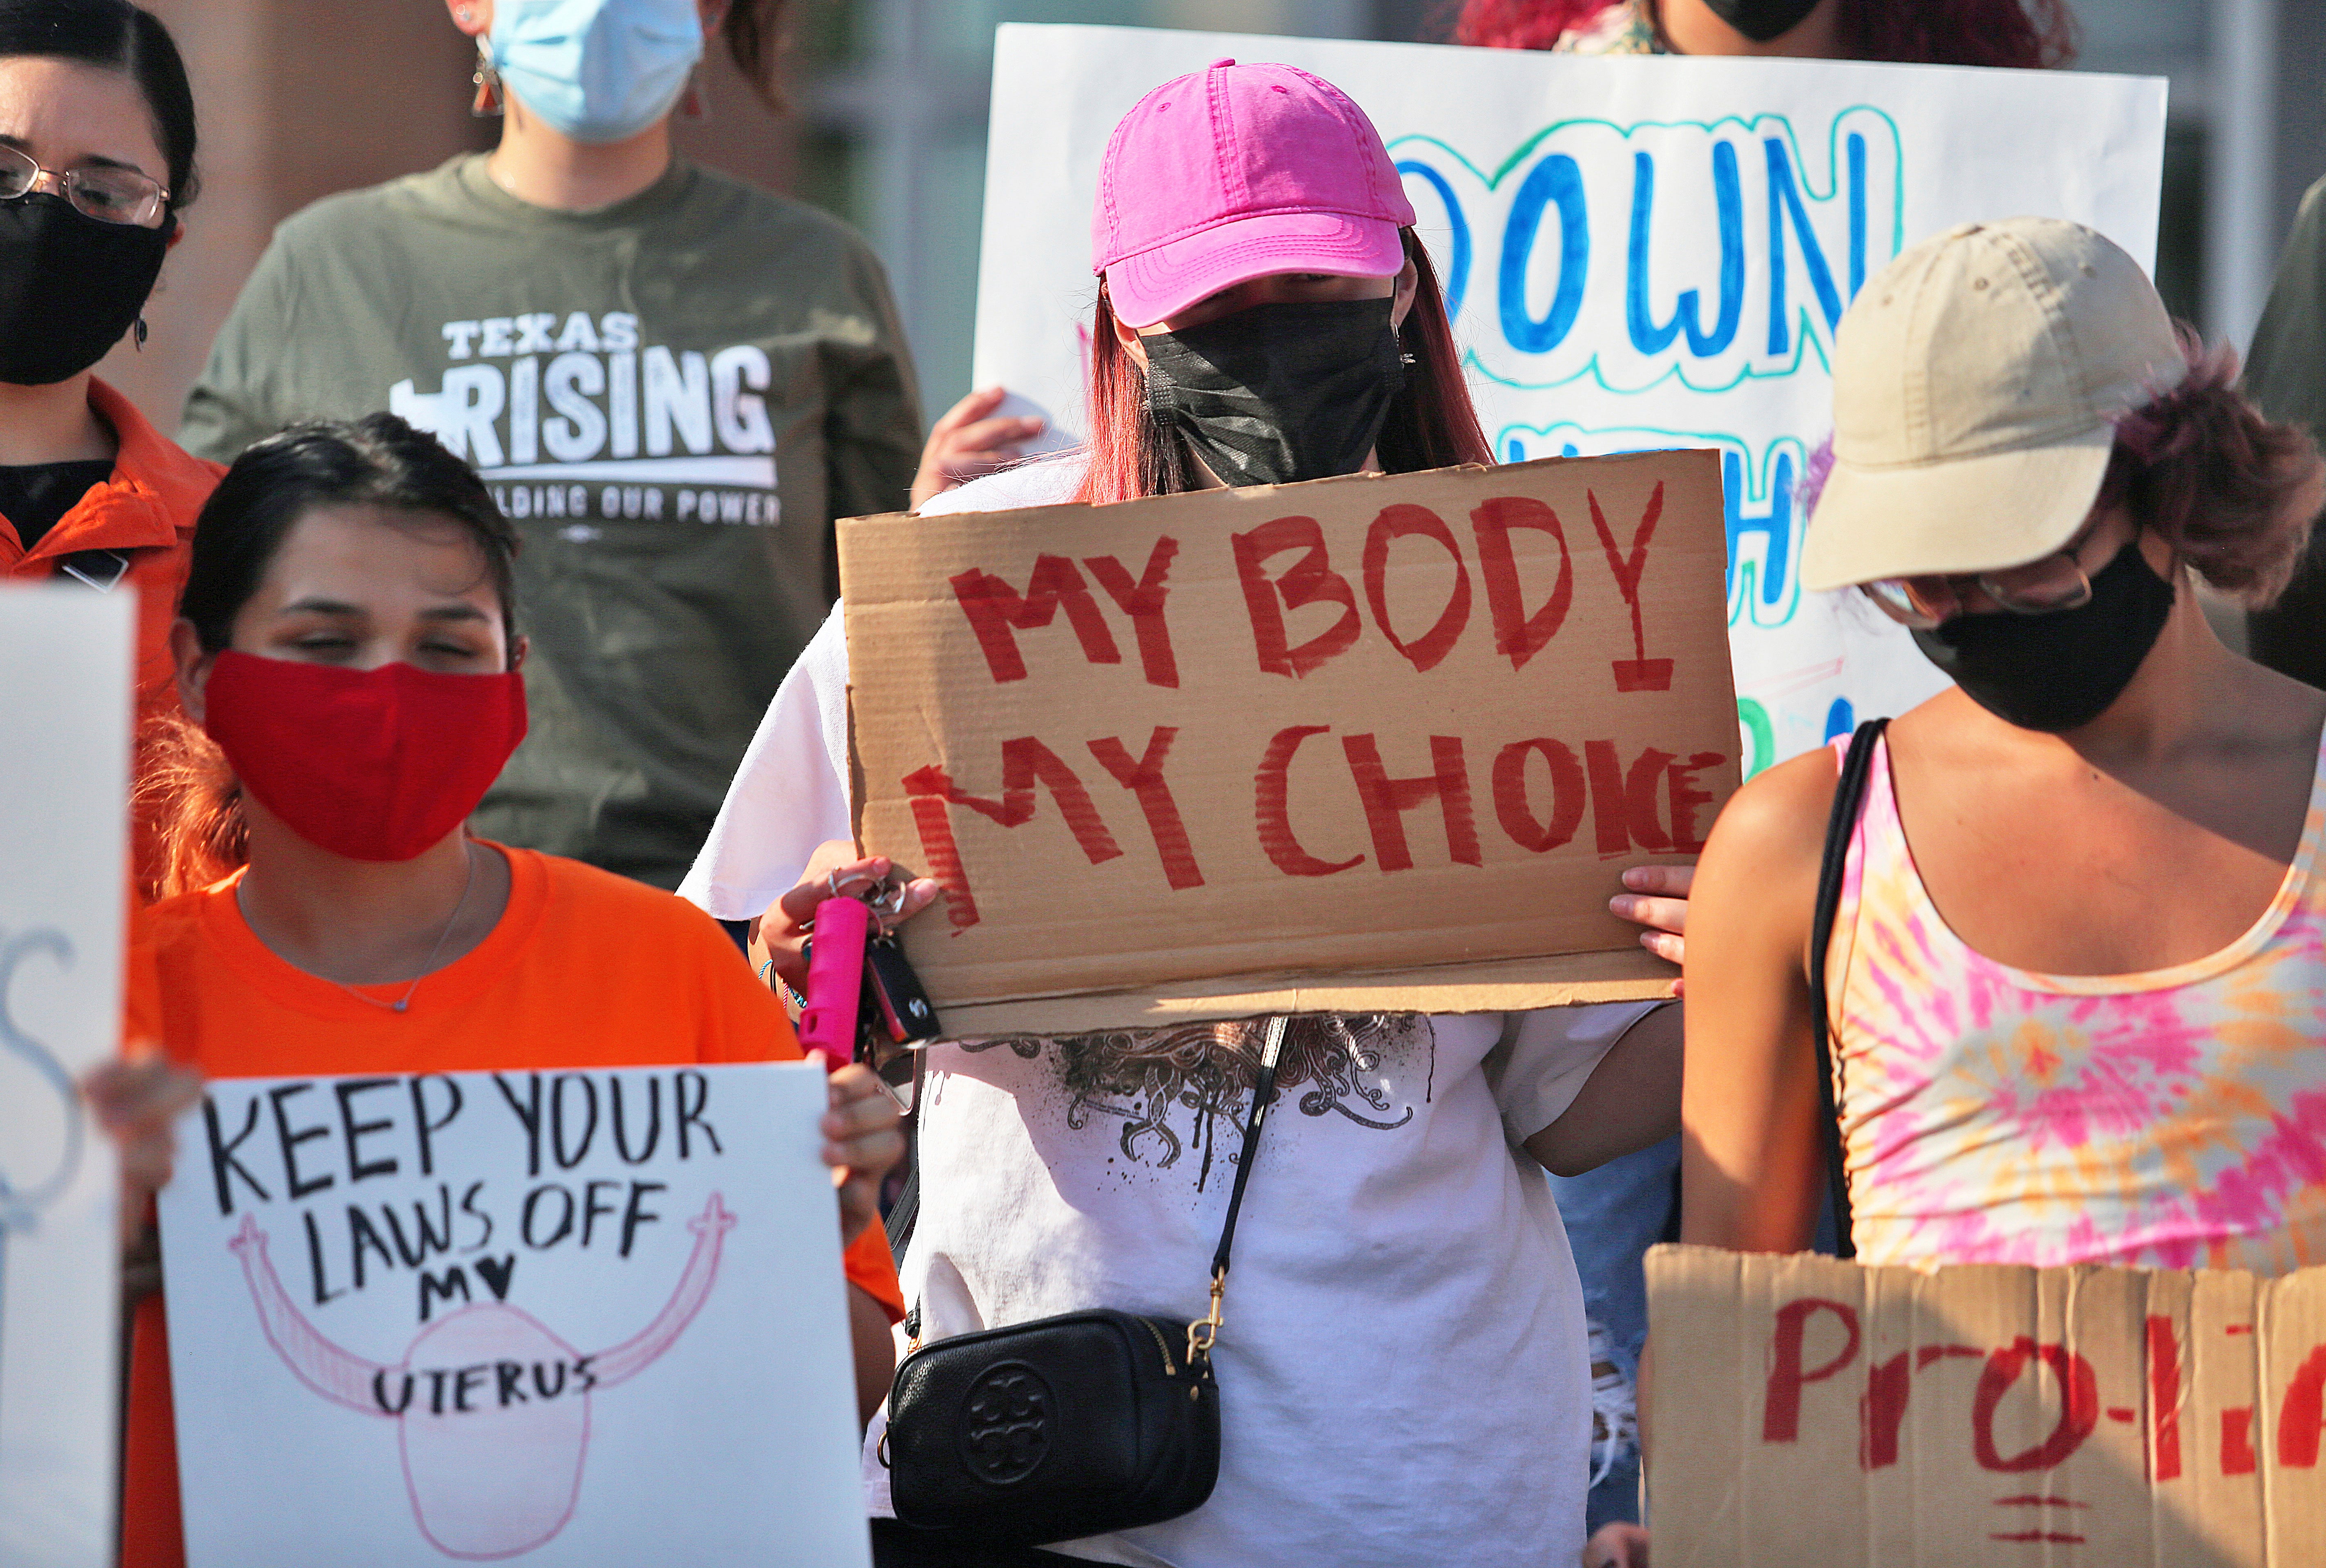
(1403, 1374)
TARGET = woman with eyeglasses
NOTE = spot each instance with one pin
(2076, 986)
(96, 161)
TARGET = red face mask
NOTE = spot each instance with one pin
(374, 764)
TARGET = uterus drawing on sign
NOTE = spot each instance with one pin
(40, 1160)
(492, 1407)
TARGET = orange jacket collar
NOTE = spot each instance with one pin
(151, 501)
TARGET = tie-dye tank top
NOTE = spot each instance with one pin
(2174, 1118)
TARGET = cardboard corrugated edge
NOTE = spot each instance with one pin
(1502, 985)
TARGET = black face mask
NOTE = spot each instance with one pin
(1762, 20)
(70, 286)
(2063, 670)
(1279, 392)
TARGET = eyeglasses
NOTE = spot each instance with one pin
(121, 195)
(2056, 582)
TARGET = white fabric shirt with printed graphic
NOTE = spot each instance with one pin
(1402, 1373)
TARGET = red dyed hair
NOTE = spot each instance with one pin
(1431, 423)
(189, 804)
(2009, 33)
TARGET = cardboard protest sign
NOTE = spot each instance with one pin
(1637, 253)
(1806, 1410)
(1370, 742)
(561, 1318)
(64, 773)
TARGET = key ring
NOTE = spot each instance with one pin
(885, 897)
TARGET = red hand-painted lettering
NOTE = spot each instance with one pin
(1271, 789)
(1142, 601)
(1517, 634)
(1144, 779)
(2303, 1416)
(2237, 1456)
(1681, 782)
(1310, 580)
(1406, 521)
(1641, 674)
(1024, 763)
(1883, 1410)
(1623, 801)
(1515, 810)
(997, 612)
(2079, 1404)
(1781, 1415)
(1386, 800)
(2163, 1398)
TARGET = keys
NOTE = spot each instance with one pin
(903, 1009)
(864, 1003)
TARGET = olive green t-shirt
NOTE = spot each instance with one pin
(671, 397)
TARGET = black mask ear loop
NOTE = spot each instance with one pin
(1164, 458)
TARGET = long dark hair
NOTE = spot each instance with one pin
(118, 36)
(186, 792)
(1431, 423)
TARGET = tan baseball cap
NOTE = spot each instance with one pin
(1976, 382)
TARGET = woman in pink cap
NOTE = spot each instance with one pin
(1404, 1380)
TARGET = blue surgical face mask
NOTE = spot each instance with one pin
(596, 70)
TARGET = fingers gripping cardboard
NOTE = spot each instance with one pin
(1379, 742)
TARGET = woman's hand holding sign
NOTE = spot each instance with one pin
(783, 930)
(862, 1140)
(137, 1100)
(1663, 909)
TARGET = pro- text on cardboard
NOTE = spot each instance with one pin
(1373, 742)
(1804, 1410)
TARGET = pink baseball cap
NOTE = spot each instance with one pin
(1235, 171)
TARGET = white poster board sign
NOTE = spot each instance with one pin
(554, 1318)
(64, 772)
(1638, 253)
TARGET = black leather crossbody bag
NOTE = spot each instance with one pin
(1072, 1425)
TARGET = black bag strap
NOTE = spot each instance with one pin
(904, 1216)
(1203, 1331)
(1840, 826)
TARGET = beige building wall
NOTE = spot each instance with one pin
(298, 98)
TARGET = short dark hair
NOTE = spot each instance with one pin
(378, 461)
(122, 37)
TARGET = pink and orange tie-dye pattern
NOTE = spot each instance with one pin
(2174, 1118)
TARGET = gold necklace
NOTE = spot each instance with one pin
(428, 964)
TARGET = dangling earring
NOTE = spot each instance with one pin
(140, 333)
(696, 103)
(487, 101)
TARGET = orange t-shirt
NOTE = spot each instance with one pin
(584, 969)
